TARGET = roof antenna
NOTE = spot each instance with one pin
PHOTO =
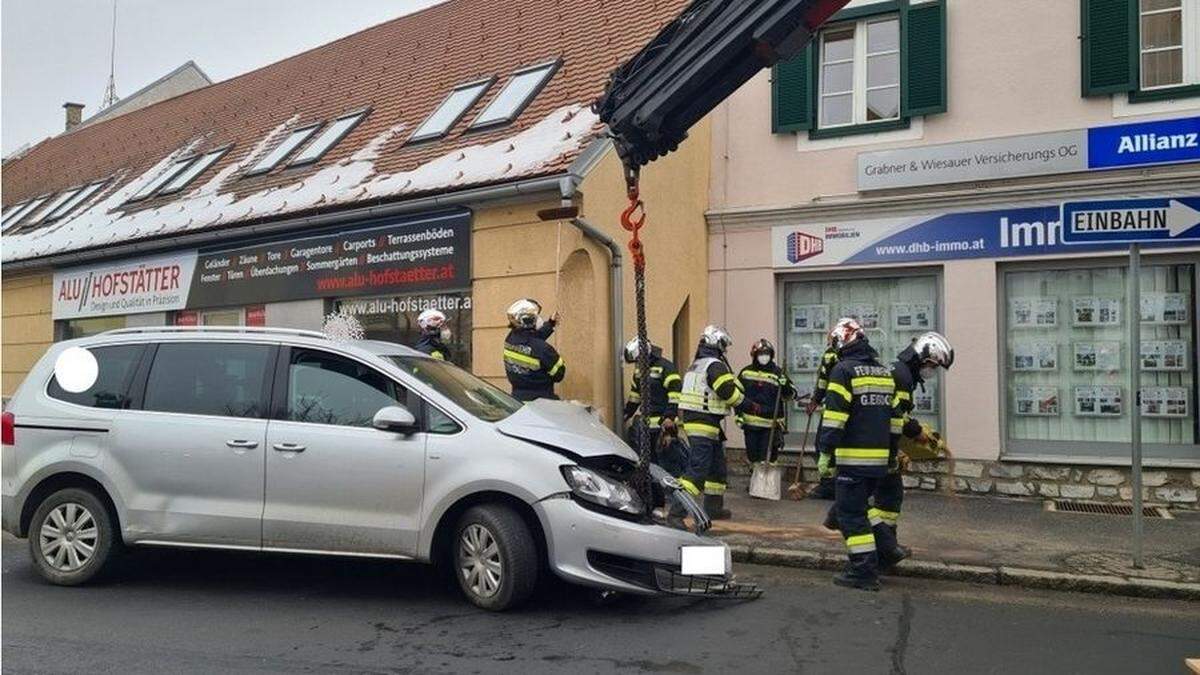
(110, 92)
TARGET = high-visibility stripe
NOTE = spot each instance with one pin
(869, 380)
(701, 429)
(672, 396)
(722, 380)
(889, 517)
(756, 421)
(873, 516)
(835, 415)
(735, 398)
(522, 359)
(903, 395)
(861, 543)
(634, 397)
(558, 365)
(673, 377)
(763, 376)
(713, 488)
(861, 456)
(897, 425)
(822, 383)
(656, 370)
(654, 421)
(690, 487)
(840, 391)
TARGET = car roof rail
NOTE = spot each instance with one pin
(253, 330)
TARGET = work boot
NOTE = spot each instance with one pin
(831, 520)
(824, 489)
(714, 506)
(843, 579)
(887, 563)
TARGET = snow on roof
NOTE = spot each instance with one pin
(354, 179)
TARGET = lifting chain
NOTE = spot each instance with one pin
(632, 219)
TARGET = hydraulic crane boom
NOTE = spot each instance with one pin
(697, 61)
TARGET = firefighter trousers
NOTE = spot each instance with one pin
(885, 512)
(852, 502)
(706, 468)
(757, 439)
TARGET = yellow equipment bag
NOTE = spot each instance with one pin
(931, 448)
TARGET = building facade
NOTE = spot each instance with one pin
(910, 170)
(412, 179)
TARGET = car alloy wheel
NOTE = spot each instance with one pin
(479, 561)
(68, 537)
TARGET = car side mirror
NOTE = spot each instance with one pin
(395, 418)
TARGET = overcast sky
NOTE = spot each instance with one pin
(55, 51)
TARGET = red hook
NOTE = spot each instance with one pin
(627, 216)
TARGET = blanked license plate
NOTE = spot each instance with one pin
(705, 560)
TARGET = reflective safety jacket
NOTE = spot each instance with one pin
(433, 346)
(710, 392)
(906, 383)
(860, 426)
(532, 365)
(828, 361)
(770, 388)
(661, 392)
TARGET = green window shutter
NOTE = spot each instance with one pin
(923, 57)
(1109, 46)
(793, 105)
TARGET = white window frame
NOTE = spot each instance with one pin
(1190, 36)
(858, 99)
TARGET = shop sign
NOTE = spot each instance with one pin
(156, 284)
(397, 255)
(1071, 151)
(1000, 233)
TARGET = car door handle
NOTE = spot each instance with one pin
(241, 444)
(289, 447)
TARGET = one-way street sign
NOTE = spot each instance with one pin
(1132, 221)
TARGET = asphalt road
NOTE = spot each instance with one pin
(171, 611)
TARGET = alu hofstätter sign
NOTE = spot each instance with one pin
(1072, 151)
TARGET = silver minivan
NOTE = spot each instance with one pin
(289, 441)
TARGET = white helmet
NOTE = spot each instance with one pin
(715, 336)
(845, 332)
(524, 313)
(933, 348)
(631, 351)
(431, 320)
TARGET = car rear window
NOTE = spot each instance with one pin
(111, 390)
(224, 379)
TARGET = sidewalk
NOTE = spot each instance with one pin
(982, 539)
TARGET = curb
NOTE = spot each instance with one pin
(1001, 575)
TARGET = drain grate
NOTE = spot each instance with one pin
(1105, 509)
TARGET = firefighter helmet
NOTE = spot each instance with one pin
(762, 346)
(632, 351)
(933, 348)
(524, 313)
(431, 321)
(716, 337)
(847, 331)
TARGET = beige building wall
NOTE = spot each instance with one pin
(515, 255)
(27, 327)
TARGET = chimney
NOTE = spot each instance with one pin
(74, 114)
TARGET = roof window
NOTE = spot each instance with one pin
(281, 151)
(81, 195)
(16, 213)
(451, 110)
(518, 93)
(151, 186)
(56, 205)
(197, 167)
(331, 136)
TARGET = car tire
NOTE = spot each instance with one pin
(495, 557)
(72, 537)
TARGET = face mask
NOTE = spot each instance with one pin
(928, 372)
(539, 323)
(763, 359)
(445, 334)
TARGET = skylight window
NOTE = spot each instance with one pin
(16, 218)
(58, 202)
(518, 93)
(66, 207)
(332, 135)
(161, 179)
(14, 214)
(189, 174)
(282, 150)
(451, 110)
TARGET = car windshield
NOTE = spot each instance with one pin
(471, 393)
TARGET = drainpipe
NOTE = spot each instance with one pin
(616, 311)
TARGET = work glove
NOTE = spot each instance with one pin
(810, 404)
(669, 427)
(823, 468)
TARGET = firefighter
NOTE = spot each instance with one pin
(662, 406)
(434, 334)
(858, 433)
(824, 489)
(531, 364)
(710, 392)
(917, 363)
(768, 385)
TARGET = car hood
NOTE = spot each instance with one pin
(567, 426)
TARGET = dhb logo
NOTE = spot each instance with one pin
(801, 246)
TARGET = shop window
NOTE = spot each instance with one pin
(394, 319)
(78, 328)
(873, 68)
(1067, 361)
(222, 379)
(892, 310)
(116, 367)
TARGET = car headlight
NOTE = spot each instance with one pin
(598, 489)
